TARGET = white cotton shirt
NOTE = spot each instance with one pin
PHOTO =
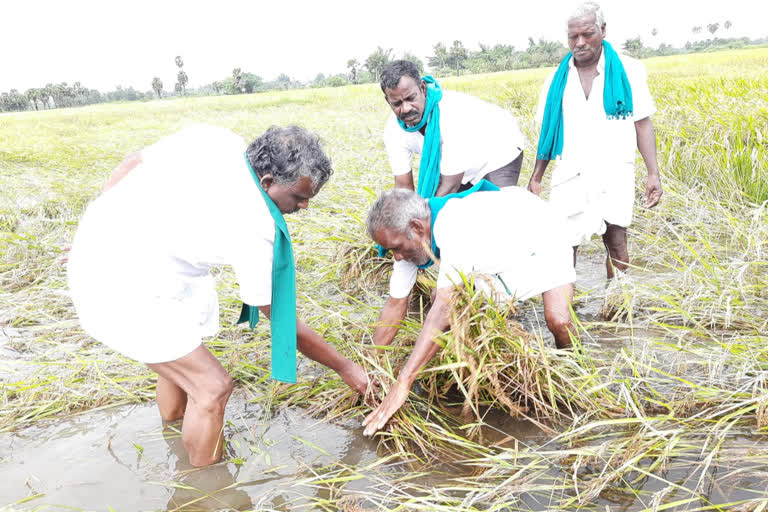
(476, 137)
(475, 236)
(139, 268)
(594, 180)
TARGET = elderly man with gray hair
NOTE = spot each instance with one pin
(140, 265)
(521, 260)
(595, 112)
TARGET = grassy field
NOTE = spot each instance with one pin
(666, 406)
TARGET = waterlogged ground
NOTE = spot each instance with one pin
(123, 458)
(667, 410)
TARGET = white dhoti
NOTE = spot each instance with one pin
(589, 197)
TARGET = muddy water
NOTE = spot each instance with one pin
(126, 459)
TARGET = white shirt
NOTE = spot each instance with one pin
(530, 257)
(594, 180)
(589, 137)
(476, 137)
(146, 245)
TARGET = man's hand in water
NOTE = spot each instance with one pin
(392, 402)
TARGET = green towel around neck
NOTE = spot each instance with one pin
(429, 167)
(283, 306)
(617, 101)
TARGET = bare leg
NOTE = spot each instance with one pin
(557, 312)
(171, 399)
(208, 387)
(615, 240)
(575, 251)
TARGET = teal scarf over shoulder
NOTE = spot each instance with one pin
(429, 167)
(283, 306)
(617, 101)
(436, 204)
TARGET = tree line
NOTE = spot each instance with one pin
(453, 59)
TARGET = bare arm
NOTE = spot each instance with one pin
(392, 314)
(404, 181)
(646, 143)
(539, 168)
(424, 350)
(126, 166)
(316, 348)
(448, 184)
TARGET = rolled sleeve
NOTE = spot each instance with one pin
(397, 151)
(403, 278)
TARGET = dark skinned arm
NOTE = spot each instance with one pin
(423, 351)
(392, 314)
(448, 184)
(316, 348)
(404, 181)
(646, 143)
(539, 168)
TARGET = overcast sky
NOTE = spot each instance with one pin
(106, 43)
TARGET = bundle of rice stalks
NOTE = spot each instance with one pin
(492, 360)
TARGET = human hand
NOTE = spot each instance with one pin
(392, 402)
(653, 191)
(355, 377)
(534, 186)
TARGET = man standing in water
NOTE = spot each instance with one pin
(461, 139)
(595, 110)
(139, 265)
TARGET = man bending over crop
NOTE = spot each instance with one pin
(520, 259)
(139, 268)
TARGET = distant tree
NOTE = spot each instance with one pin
(727, 25)
(457, 56)
(157, 86)
(32, 95)
(712, 27)
(654, 32)
(249, 82)
(181, 76)
(13, 101)
(544, 53)
(634, 47)
(354, 68)
(217, 87)
(377, 61)
(319, 80)
(419, 63)
(440, 59)
(337, 81)
(237, 77)
(696, 29)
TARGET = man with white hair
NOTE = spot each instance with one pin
(140, 267)
(522, 260)
(595, 110)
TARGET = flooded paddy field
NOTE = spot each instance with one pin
(663, 407)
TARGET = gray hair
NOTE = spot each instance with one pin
(588, 9)
(289, 153)
(395, 209)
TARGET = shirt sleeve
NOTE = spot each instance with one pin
(403, 278)
(642, 102)
(397, 151)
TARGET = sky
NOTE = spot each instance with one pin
(103, 44)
